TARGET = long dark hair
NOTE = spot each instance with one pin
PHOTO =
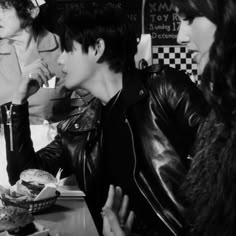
(209, 185)
(218, 80)
(219, 77)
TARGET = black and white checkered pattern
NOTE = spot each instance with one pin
(177, 57)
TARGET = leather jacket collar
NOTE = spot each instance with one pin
(83, 118)
(133, 88)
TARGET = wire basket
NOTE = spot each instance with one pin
(32, 206)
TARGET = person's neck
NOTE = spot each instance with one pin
(106, 84)
(24, 39)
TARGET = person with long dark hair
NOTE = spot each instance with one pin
(207, 29)
(209, 185)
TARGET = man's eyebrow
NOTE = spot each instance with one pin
(181, 14)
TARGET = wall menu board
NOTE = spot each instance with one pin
(160, 19)
(161, 22)
(134, 11)
(132, 7)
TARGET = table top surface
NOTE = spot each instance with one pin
(68, 217)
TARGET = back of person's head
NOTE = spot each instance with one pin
(23, 9)
(90, 22)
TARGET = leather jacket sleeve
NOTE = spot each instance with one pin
(19, 146)
(182, 105)
(176, 108)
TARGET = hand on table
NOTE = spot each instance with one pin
(117, 219)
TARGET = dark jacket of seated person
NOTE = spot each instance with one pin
(161, 109)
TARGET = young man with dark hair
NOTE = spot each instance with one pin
(145, 122)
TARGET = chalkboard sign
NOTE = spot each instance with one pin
(132, 8)
(161, 22)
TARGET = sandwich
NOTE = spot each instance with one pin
(17, 221)
(33, 181)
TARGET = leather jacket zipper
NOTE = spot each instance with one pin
(84, 163)
(139, 187)
(84, 169)
(9, 123)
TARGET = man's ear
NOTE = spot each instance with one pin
(34, 12)
(99, 48)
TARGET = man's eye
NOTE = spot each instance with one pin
(188, 18)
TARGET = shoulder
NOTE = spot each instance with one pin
(44, 33)
(157, 71)
(48, 41)
(167, 77)
(83, 118)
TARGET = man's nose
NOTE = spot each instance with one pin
(61, 59)
(183, 34)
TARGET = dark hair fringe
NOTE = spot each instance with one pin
(92, 21)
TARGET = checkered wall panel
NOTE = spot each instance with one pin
(177, 57)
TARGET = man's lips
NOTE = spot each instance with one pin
(194, 55)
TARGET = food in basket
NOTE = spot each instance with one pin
(33, 181)
(35, 191)
(17, 221)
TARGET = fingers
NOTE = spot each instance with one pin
(111, 224)
(114, 199)
(129, 222)
(110, 197)
(123, 209)
(39, 71)
(117, 199)
(106, 229)
(117, 218)
(38, 77)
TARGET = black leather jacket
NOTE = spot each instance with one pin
(165, 105)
